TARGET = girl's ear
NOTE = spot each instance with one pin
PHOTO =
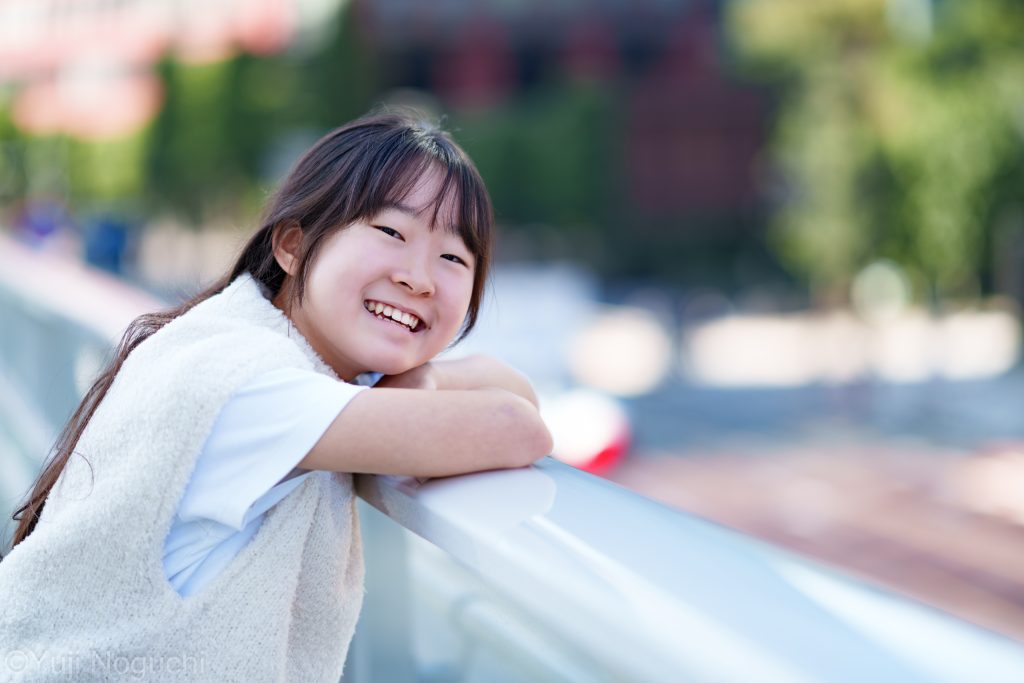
(287, 243)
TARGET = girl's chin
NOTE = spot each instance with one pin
(387, 366)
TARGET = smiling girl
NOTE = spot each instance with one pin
(206, 527)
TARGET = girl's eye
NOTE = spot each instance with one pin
(454, 259)
(389, 231)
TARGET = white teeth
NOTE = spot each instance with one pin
(407, 319)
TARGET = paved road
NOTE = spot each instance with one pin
(963, 415)
(886, 482)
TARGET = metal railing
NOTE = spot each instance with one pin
(543, 573)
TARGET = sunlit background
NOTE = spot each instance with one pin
(764, 259)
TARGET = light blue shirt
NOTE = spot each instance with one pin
(248, 465)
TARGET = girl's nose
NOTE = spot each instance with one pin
(416, 276)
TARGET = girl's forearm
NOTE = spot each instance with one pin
(481, 372)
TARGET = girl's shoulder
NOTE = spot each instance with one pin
(239, 318)
(210, 343)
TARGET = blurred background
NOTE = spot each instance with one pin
(763, 258)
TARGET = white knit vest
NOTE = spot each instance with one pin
(84, 597)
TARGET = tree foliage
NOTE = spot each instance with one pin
(899, 133)
(546, 157)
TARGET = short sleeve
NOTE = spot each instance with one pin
(258, 438)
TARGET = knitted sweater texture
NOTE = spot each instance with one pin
(84, 597)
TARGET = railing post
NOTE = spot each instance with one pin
(382, 647)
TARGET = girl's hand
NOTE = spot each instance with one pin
(420, 377)
(480, 371)
(477, 371)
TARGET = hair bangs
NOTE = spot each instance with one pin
(460, 205)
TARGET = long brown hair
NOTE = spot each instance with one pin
(350, 174)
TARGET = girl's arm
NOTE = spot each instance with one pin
(426, 433)
(484, 417)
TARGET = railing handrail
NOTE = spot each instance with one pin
(647, 592)
(666, 595)
(94, 300)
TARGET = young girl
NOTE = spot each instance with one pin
(206, 528)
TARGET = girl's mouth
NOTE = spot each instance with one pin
(385, 312)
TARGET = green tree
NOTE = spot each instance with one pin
(190, 160)
(211, 142)
(12, 152)
(547, 161)
(342, 75)
(898, 128)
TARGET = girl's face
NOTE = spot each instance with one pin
(393, 259)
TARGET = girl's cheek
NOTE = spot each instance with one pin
(451, 283)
